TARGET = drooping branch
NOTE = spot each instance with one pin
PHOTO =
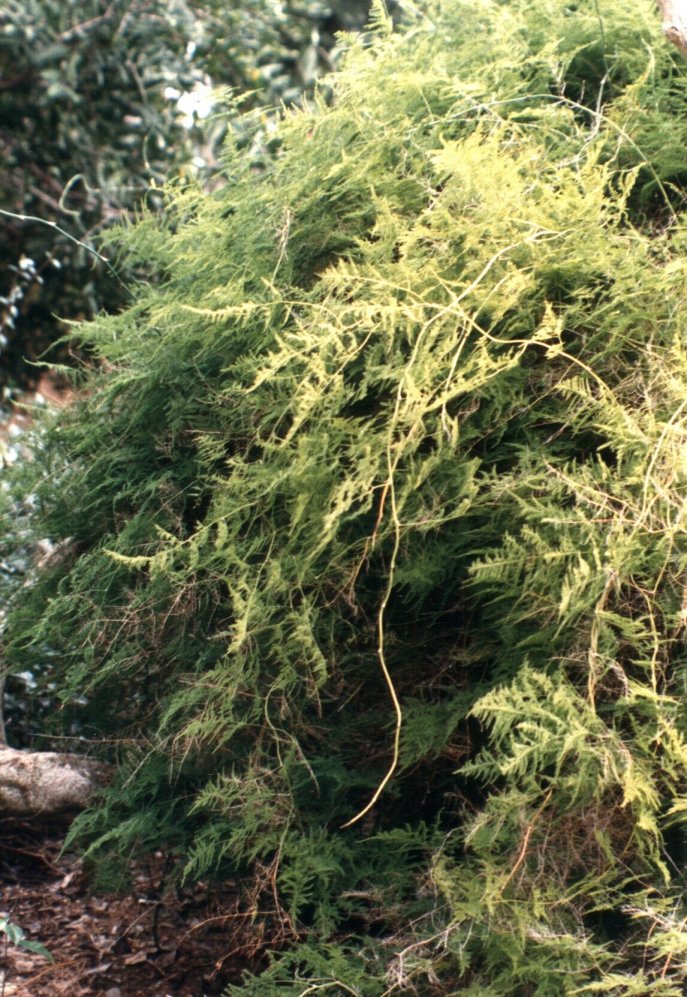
(674, 13)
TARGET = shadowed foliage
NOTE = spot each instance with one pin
(88, 130)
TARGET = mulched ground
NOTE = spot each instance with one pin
(150, 942)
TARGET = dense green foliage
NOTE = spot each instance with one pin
(84, 130)
(274, 52)
(379, 497)
(88, 128)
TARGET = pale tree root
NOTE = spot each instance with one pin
(674, 14)
(47, 783)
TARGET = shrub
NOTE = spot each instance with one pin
(86, 130)
(89, 130)
(273, 53)
(374, 509)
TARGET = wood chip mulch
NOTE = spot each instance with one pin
(149, 942)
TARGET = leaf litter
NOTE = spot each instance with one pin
(150, 941)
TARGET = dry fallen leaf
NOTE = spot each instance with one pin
(135, 958)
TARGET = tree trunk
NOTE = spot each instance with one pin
(674, 13)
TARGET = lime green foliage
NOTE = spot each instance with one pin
(379, 497)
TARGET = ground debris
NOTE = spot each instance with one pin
(145, 943)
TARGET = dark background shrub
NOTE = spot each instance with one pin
(87, 131)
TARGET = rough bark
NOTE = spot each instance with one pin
(674, 13)
(47, 783)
